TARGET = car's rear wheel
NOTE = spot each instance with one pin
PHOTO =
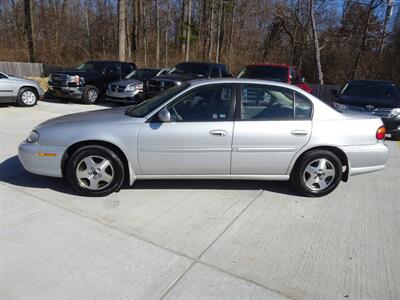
(95, 171)
(317, 173)
(90, 95)
(27, 97)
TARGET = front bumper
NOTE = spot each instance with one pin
(41, 160)
(366, 158)
(132, 97)
(65, 91)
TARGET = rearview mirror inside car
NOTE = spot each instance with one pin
(164, 115)
(334, 93)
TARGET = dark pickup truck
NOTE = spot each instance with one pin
(183, 72)
(88, 81)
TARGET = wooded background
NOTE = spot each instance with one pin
(329, 40)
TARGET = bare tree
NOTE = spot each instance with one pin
(317, 54)
(157, 33)
(122, 30)
(188, 30)
(372, 5)
(29, 30)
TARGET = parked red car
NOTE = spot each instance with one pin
(277, 72)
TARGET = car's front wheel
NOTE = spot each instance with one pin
(95, 171)
(317, 173)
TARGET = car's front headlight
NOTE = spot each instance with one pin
(339, 106)
(33, 137)
(394, 112)
(134, 87)
(74, 79)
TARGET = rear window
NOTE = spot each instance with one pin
(368, 90)
(265, 72)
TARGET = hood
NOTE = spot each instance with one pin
(125, 82)
(96, 117)
(82, 73)
(177, 77)
(365, 101)
(20, 79)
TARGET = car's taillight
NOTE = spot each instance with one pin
(381, 133)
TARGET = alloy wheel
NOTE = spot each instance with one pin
(28, 98)
(319, 174)
(94, 172)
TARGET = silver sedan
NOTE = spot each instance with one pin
(210, 129)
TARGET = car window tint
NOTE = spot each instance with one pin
(215, 71)
(368, 90)
(302, 108)
(262, 102)
(126, 69)
(112, 69)
(212, 103)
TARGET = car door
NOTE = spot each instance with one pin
(272, 124)
(198, 139)
(7, 89)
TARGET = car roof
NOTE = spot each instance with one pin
(199, 82)
(269, 65)
(388, 82)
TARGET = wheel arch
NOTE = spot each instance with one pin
(74, 147)
(335, 150)
(29, 86)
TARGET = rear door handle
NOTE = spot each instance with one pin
(299, 132)
(218, 132)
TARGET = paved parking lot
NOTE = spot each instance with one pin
(193, 239)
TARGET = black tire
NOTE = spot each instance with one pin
(81, 185)
(90, 94)
(23, 100)
(299, 176)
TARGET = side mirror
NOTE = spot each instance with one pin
(334, 93)
(164, 115)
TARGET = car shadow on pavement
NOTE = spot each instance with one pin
(12, 172)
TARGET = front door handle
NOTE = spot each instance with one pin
(299, 132)
(218, 132)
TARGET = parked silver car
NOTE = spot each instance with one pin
(215, 129)
(23, 91)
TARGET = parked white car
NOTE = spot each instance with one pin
(23, 91)
(210, 129)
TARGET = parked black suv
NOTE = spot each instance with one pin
(380, 98)
(183, 72)
(88, 81)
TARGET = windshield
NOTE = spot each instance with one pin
(265, 72)
(368, 90)
(137, 74)
(92, 67)
(199, 69)
(146, 107)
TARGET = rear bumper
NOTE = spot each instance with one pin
(392, 125)
(41, 160)
(366, 158)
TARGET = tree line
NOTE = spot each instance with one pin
(329, 40)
